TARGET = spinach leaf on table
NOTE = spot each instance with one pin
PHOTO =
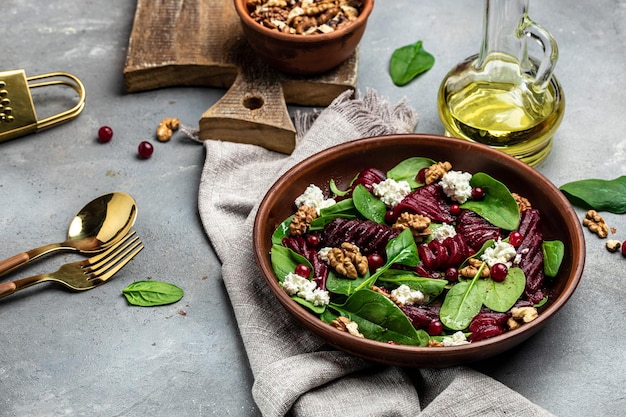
(598, 194)
(149, 293)
(408, 62)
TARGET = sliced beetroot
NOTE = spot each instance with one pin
(531, 254)
(421, 316)
(320, 269)
(485, 332)
(488, 318)
(367, 178)
(428, 201)
(475, 229)
(368, 236)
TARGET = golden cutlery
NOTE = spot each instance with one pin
(87, 274)
(97, 226)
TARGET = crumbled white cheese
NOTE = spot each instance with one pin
(391, 192)
(444, 231)
(500, 253)
(314, 197)
(323, 254)
(456, 185)
(405, 295)
(294, 284)
(457, 339)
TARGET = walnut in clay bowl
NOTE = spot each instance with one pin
(479, 316)
(304, 38)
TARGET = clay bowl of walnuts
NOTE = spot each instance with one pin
(305, 38)
(387, 339)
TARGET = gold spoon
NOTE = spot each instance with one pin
(100, 224)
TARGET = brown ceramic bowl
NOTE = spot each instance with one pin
(342, 162)
(303, 54)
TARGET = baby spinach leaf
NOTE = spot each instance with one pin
(430, 287)
(498, 206)
(368, 205)
(408, 62)
(150, 293)
(501, 296)
(463, 301)
(598, 194)
(309, 305)
(401, 250)
(284, 261)
(338, 284)
(553, 252)
(380, 319)
(281, 231)
(341, 207)
(408, 169)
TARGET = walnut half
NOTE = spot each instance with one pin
(348, 261)
(595, 223)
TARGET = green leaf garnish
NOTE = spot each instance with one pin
(408, 62)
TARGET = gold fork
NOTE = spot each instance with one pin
(87, 274)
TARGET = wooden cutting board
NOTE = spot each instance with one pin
(200, 43)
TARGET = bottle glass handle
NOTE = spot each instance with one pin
(536, 32)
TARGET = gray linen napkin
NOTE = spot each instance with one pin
(295, 373)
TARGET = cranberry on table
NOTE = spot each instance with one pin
(302, 270)
(624, 248)
(105, 134)
(145, 150)
(499, 272)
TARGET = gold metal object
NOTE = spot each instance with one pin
(87, 274)
(98, 225)
(17, 109)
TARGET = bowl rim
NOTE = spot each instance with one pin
(368, 6)
(509, 338)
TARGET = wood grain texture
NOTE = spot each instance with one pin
(200, 43)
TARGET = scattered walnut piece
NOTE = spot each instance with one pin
(436, 171)
(348, 260)
(522, 202)
(346, 325)
(417, 223)
(613, 245)
(435, 343)
(471, 270)
(302, 220)
(166, 128)
(595, 223)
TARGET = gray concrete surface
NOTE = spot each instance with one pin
(65, 354)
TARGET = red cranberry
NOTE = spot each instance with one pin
(390, 217)
(375, 261)
(145, 150)
(452, 274)
(313, 241)
(478, 193)
(515, 239)
(421, 175)
(624, 248)
(499, 272)
(435, 328)
(302, 270)
(105, 134)
(455, 209)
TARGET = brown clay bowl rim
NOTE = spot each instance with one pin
(402, 355)
(242, 11)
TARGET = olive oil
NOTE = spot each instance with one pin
(508, 113)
